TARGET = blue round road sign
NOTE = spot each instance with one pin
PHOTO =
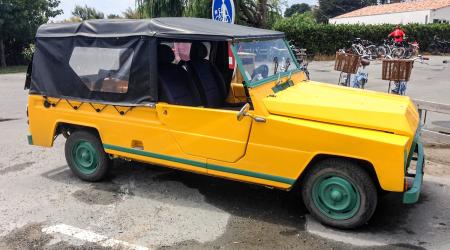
(223, 11)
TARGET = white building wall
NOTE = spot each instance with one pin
(420, 17)
(441, 14)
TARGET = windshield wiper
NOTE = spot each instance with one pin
(275, 65)
(287, 64)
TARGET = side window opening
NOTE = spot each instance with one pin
(182, 50)
(103, 69)
(208, 76)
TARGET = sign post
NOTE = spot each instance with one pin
(223, 11)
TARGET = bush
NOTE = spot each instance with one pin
(328, 38)
(28, 52)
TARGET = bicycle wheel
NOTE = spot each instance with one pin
(372, 51)
(434, 49)
(357, 49)
(398, 53)
(408, 53)
(381, 51)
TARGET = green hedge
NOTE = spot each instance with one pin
(328, 38)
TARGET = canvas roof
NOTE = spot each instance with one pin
(169, 27)
(398, 7)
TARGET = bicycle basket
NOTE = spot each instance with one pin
(397, 69)
(347, 63)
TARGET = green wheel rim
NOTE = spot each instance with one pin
(85, 157)
(336, 197)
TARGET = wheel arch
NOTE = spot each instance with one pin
(62, 127)
(366, 165)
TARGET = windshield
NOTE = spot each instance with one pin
(263, 59)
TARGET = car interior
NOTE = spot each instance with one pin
(195, 74)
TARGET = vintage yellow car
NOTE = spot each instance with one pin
(222, 100)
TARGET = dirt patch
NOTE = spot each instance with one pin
(248, 233)
(104, 193)
(31, 237)
(16, 168)
(437, 161)
(438, 154)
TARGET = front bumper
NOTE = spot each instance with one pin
(411, 196)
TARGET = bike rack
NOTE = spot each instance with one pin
(438, 137)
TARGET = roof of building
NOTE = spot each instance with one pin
(169, 27)
(398, 7)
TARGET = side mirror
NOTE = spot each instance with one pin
(243, 112)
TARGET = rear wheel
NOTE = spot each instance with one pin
(398, 52)
(86, 157)
(382, 52)
(340, 193)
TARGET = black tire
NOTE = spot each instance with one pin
(94, 167)
(398, 52)
(361, 183)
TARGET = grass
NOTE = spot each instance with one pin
(13, 69)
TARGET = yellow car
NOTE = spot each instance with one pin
(222, 100)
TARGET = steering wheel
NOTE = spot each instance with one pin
(261, 72)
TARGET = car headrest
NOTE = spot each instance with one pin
(198, 51)
(165, 54)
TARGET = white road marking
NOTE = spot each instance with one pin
(89, 236)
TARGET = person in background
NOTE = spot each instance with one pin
(398, 34)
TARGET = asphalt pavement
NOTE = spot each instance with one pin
(44, 206)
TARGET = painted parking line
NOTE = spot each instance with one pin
(89, 236)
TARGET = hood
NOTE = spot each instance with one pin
(346, 106)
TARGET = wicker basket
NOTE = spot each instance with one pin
(397, 69)
(347, 63)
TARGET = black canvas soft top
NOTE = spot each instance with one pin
(168, 27)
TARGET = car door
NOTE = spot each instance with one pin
(204, 132)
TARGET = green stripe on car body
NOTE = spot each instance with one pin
(201, 164)
(30, 139)
(413, 147)
(251, 174)
(155, 155)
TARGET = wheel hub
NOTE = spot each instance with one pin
(85, 157)
(336, 197)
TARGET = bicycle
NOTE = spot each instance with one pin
(391, 49)
(360, 78)
(439, 46)
(302, 59)
(401, 85)
(364, 47)
(385, 49)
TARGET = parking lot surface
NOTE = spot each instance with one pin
(44, 206)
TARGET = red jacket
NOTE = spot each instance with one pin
(398, 35)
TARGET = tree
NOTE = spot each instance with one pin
(113, 16)
(297, 8)
(131, 13)
(332, 8)
(259, 13)
(160, 8)
(86, 13)
(19, 20)
(256, 13)
(198, 8)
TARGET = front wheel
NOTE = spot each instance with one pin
(339, 193)
(398, 52)
(86, 157)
